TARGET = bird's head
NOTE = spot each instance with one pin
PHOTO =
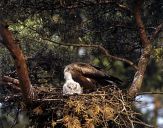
(72, 87)
(67, 76)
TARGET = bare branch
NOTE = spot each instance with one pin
(158, 29)
(11, 80)
(144, 38)
(142, 123)
(101, 48)
(149, 93)
(11, 85)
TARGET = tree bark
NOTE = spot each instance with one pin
(8, 40)
(145, 56)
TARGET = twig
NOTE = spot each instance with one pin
(147, 125)
(146, 93)
(93, 94)
(158, 29)
(49, 100)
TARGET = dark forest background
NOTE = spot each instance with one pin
(54, 33)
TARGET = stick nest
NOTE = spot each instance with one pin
(102, 108)
(107, 107)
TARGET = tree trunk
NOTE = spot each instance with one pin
(145, 56)
(8, 40)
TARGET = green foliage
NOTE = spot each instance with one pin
(158, 54)
(111, 25)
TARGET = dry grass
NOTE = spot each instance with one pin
(107, 104)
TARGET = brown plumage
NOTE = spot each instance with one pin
(89, 76)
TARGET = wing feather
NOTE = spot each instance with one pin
(92, 72)
(88, 70)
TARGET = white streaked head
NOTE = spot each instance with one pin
(72, 87)
(67, 76)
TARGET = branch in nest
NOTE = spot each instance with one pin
(11, 80)
(11, 86)
(142, 123)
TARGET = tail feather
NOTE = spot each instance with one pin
(112, 79)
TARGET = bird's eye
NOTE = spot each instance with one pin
(69, 87)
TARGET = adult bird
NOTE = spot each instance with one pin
(83, 77)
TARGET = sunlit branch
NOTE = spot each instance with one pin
(145, 56)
